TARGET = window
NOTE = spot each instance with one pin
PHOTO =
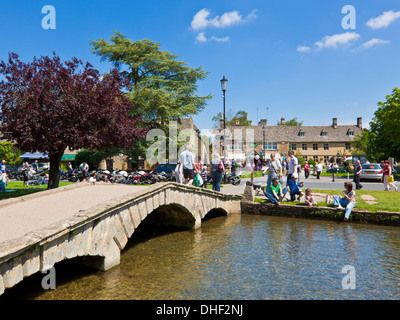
(315, 146)
(348, 146)
(236, 146)
(323, 133)
(294, 147)
(315, 158)
(326, 159)
(304, 146)
(301, 134)
(270, 146)
(326, 146)
(350, 133)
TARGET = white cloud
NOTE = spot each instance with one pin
(224, 39)
(201, 37)
(303, 49)
(373, 42)
(337, 39)
(384, 20)
(201, 19)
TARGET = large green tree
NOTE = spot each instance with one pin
(292, 122)
(161, 88)
(381, 140)
(9, 153)
(232, 119)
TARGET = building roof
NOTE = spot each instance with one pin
(283, 133)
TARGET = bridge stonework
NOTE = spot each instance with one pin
(98, 235)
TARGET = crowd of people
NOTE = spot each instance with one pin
(191, 170)
(276, 190)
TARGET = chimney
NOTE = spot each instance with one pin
(359, 122)
(282, 121)
(221, 122)
(334, 122)
(262, 122)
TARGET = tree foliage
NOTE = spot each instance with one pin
(9, 153)
(232, 119)
(47, 106)
(292, 122)
(160, 87)
(381, 140)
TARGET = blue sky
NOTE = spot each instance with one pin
(292, 57)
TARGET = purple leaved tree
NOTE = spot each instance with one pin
(47, 106)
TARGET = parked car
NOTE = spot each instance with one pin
(371, 171)
(166, 167)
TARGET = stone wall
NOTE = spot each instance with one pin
(321, 213)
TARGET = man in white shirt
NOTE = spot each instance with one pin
(318, 168)
(293, 163)
(186, 159)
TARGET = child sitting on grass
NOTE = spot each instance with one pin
(309, 198)
(294, 188)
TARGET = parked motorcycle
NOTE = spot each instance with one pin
(234, 178)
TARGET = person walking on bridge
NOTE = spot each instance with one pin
(186, 159)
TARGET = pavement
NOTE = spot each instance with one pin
(19, 217)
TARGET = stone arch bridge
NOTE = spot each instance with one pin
(97, 235)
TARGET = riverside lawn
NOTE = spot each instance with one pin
(16, 189)
(386, 200)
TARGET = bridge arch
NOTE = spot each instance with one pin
(172, 214)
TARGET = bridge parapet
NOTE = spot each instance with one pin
(98, 234)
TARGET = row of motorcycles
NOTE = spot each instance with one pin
(136, 177)
(118, 176)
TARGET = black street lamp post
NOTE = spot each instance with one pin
(224, 83)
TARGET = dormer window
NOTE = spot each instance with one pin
(301, 134)
(350, 133)
(324, 133)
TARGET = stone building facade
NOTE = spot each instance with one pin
(318, 143)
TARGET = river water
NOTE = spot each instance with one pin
(241, 257)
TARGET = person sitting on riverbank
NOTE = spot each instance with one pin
(276, 193)
(348, 201)
(294, 188)
(309, 198)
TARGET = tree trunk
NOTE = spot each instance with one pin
(54, 171)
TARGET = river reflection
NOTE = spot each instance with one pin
(244, 257)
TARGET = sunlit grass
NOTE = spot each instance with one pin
(386, 200)
(16, 189)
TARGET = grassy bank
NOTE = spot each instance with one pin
(16, 189)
